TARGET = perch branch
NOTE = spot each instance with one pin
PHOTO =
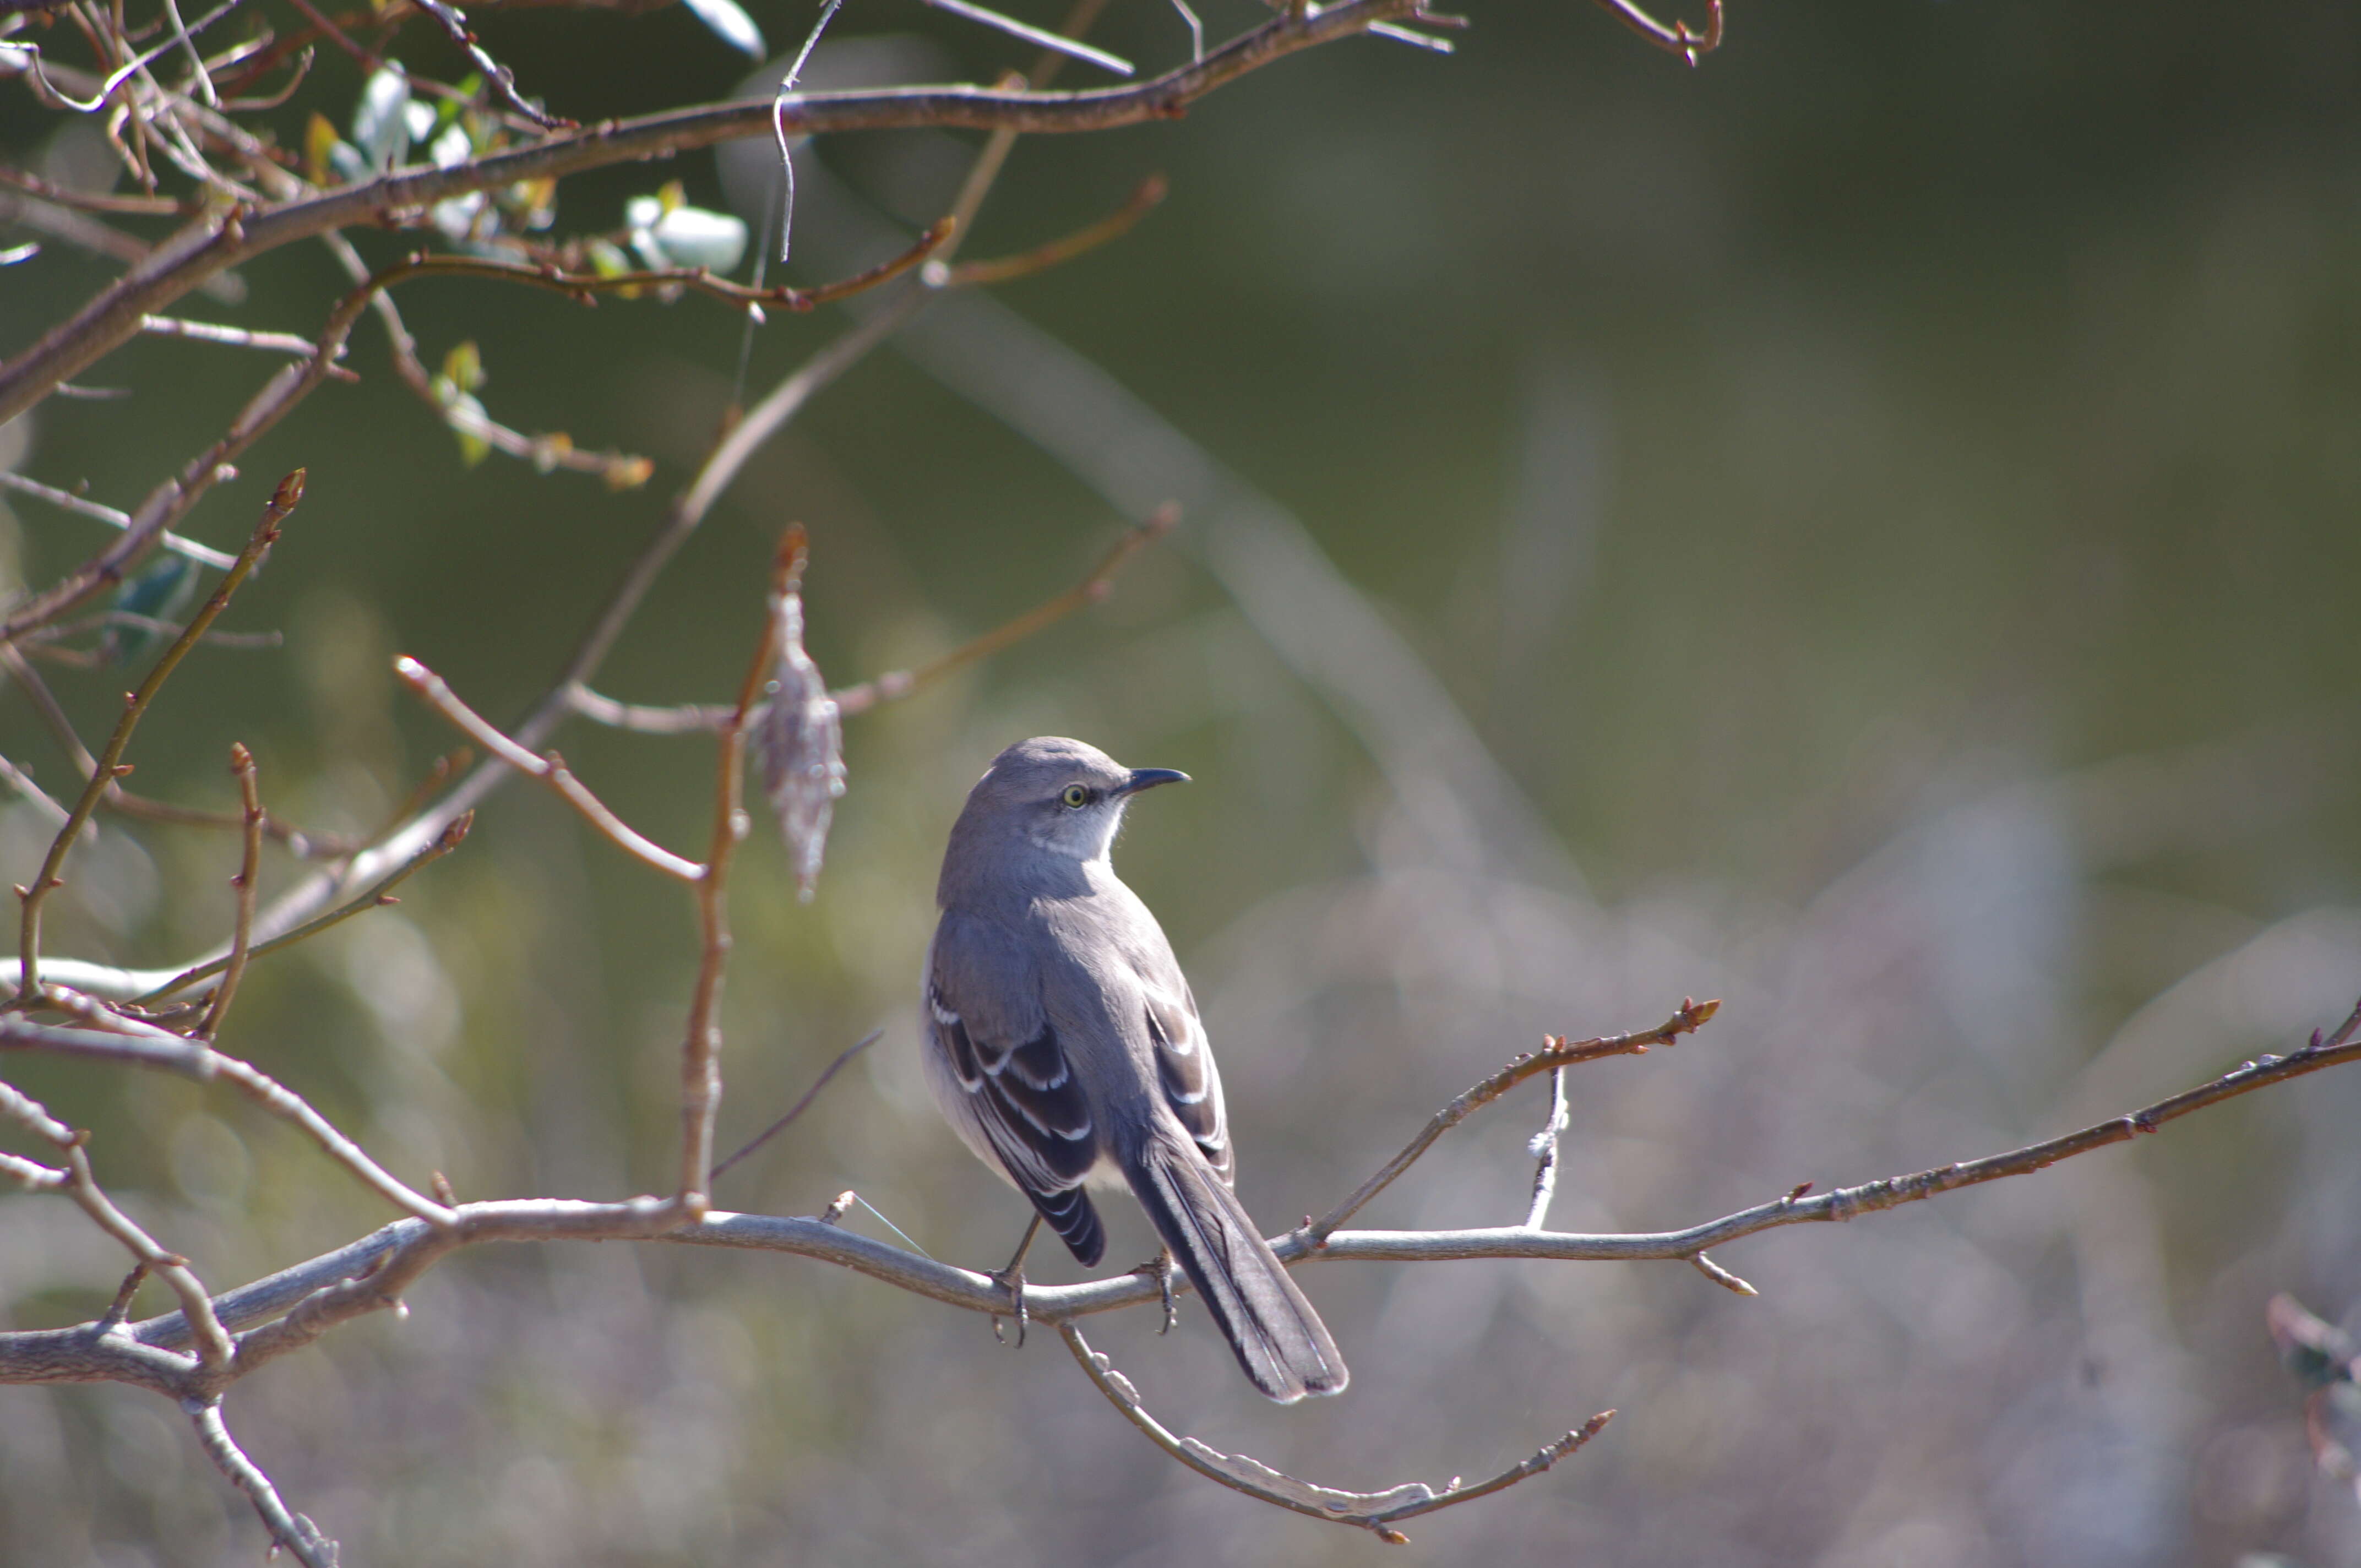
(368, 1273)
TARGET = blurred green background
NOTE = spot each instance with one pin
(1863, 528)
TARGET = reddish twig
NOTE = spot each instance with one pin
(584, 286)
(1679, 39)
(691, 718)
(701, 1058)
(1089, 591)
(241, 762)
(549, 768)
(1007, 268)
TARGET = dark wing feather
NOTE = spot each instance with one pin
(1191, 1083)
(1032, 1111)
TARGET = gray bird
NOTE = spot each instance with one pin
(1063, 1046)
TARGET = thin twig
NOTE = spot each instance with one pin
(1376, 1512)
(308, 846)
(1543, 1148)
(696, 280)
(1007, 268)
(241, 762)
(797, 1108)
(298, 1535)
(110, 759)
(1090, 590)
(376, 896)
(235, 336)
(454, 23)
(1678, 39)
(1722, 1276)
(67, 500)
(212, 1341)
(1071, 48)
(549, 768)
(621, 470)
(1555, 1052)
(691, 718)
(91, 201)
(204, 1063)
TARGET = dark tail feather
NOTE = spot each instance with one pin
(1280, 1340)
(1071, 1216)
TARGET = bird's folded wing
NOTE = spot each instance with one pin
(1186, 1073)
(983, 1007)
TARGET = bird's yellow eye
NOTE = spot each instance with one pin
(1076, 796)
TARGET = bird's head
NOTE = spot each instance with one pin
(1058, 795)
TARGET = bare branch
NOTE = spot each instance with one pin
(696, 280)
(1556, 1052)
(241, 761)
(700, 1060)
(621, 470)
(700, 718)
(235, 336)
(1677, 39)
(374, 897)
(110, 759)
(256, 1084)
(1089, 591)
(1114, 227)
(218, 560)
(798, 1108)
(454, 23)
(550, 769)
(214, 1349)
(291, 1530)
(1374, 1511)
(210, 244)
(370, 1273)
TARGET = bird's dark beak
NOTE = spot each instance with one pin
(1148, 778)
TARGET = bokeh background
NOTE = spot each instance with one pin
(1864, 530)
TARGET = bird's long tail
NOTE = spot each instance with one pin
(1280, 1340)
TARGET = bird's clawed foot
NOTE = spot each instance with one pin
(1012, 1279)
(1159, 1268)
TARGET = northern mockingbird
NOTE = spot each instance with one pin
(1064, 1046)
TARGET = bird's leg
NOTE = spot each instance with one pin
(1161, 1269)
(1012, 1279)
